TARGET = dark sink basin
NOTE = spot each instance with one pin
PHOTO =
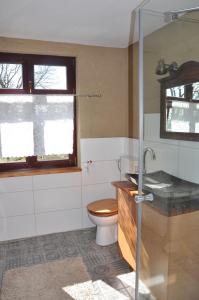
(132, 178)
(172, 195)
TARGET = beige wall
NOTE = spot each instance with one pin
(178, 41)
(133, 90)
(99, 70)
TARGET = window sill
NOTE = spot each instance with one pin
(33, 172)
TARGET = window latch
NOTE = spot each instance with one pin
(30, 86)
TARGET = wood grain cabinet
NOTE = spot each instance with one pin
(126, 222)
(169, 250)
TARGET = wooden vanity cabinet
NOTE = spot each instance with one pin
(127, 220)
(169, 264)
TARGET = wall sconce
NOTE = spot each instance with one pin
(163, 68)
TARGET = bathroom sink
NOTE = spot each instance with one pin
(132, 178)
(172, 195)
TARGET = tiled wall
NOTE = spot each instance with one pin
(97, 177)
(41, 204)
(35, 205)
(179, 158)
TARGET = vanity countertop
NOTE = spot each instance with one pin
(178, 197)
(126, 186)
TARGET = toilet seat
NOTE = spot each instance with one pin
(103, 208)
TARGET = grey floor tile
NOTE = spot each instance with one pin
(131, 291)
(32, 259)
(102, 263)
(69, 251)
(13, 262)
(2, 270)
(52, 255)
(117, 295)
(2, 252)
(114, 282)
(99, 271)
(130, 296)
(119, 267)
(13, 252)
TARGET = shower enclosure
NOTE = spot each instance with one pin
(167, 262)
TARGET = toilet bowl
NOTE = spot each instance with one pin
(104, 214)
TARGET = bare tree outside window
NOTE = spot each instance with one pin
(11, 76)
(50, 77)
(43, 76)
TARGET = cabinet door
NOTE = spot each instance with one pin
(127, 227)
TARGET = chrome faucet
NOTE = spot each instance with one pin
(153, 156)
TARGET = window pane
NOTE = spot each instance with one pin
(195, 91)
(16, 140)
(177, 91)
(39, 125)
(50, 77)
(11, 76)
(53, 123)
(58, 137)
(182, 116)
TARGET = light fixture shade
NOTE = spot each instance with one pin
(173, 67)
(162, 68)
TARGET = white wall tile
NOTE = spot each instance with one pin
(102, 149)
(125, 146)
(59, 221)
(95, 192)
(86, 221)
(152, 129)
(189, 144)
(189, 164)
(183, 158)
(15, 204)
(133, 148)
(57, 199)
(56, 180)
(128, 165)
(100, 172)
(20, 226)
(166, 158)
(15, 184)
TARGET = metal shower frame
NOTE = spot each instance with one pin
(140, 11)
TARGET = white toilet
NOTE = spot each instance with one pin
(104, 214)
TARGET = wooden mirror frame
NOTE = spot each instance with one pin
(187, 73)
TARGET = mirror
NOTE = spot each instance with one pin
(179, 112)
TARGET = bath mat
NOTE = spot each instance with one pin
(61, 280)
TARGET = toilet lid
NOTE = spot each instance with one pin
(103, 208)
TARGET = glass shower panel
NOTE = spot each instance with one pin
(169, 255)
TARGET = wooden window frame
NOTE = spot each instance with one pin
(28, 61)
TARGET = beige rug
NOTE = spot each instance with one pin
(60, 280)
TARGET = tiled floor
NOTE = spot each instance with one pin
(104, 264)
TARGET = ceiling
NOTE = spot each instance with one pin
(90, 22)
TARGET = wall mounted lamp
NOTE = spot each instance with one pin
(163, 68)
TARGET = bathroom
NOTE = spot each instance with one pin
(49, 245)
